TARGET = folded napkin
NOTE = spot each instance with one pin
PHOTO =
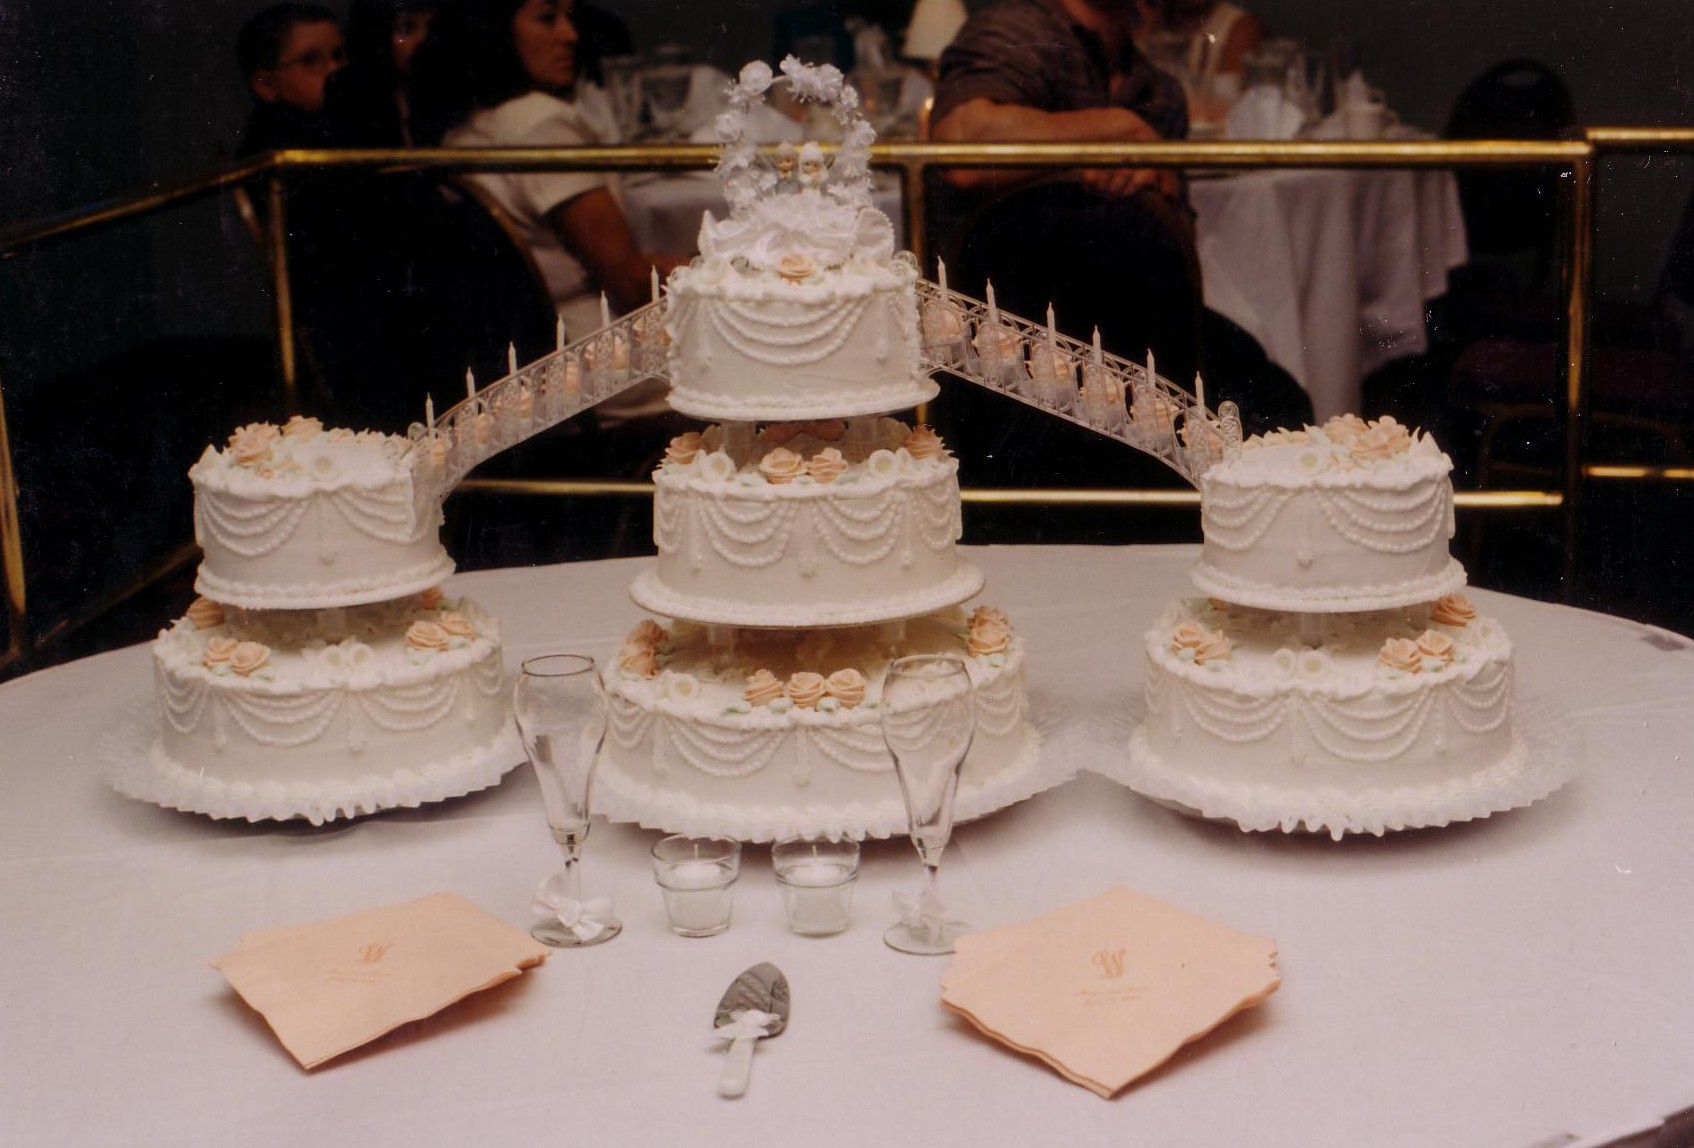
(1107, 989)
(329, 986)
(1264, 113)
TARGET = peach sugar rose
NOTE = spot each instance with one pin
(646, 633)
(249, 446)
(795, 266)
(424, 635)
(990, 614)
(205, 613)
(827, 465)
(248, 657)
(805, 689)
(1401, 654)
(846, 687)
(923, 442)
(218, 652)
(1380, 440)
(762, 688)
(303, 427)
(781, 466)
(430, 598)
(456, 624)
(1437, 646)
(987, 638)
(683, 449)
(1452, 610)
(640, 660)
(1201, 643)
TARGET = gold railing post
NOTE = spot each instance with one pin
(11, 550)
(1578, 286)
(276, 242)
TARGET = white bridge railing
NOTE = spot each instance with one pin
(966, 337)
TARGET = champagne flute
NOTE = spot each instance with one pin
(560, 707)
(928, 720)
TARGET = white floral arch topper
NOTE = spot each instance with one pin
(830, 223)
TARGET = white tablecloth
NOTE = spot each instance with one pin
(1498, 983)
(1329, 270)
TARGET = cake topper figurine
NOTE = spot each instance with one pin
(797, 202)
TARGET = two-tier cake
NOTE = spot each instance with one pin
(322, 674)
(1333, 678)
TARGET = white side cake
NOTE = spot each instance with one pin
(1401, 709)
(1348, 516)
(779, 733)
(297, 517)
(819, 524)
(328, 713)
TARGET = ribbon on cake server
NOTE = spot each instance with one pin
(747, 1022)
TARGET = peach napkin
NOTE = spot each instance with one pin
(1107, 989)
(330, 986)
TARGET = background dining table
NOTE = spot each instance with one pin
(1521, 980)
(1329, 270)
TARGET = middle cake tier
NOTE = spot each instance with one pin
(834, 523)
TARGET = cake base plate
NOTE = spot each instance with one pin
(651, 593)
(136, 767)
(1538, 763)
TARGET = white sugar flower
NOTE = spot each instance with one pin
(717, 467)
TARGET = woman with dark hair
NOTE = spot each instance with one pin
(502, 73)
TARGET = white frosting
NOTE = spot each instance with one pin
(1273, 711)
(340, 701)
(313, 520)
(875, 543)
(691, 754)
(1313, 520)
(750, 344)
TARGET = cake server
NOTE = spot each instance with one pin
(755, 1005)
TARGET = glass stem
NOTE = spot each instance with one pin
(570, 844)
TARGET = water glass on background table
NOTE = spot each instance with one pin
(623, 87)
(560, 708)
(666, 89)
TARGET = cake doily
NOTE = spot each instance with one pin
(136, 768)
(622, 798)
(1542, 758)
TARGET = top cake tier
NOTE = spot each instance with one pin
(299, 518)
(794, 342)
(798, 306)
(1344, 517)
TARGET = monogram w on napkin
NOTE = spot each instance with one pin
(328, 987)
(1107, 989)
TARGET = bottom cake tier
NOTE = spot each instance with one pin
(326, 713)
(761, 734)
(1339, 723)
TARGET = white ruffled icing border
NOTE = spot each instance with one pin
(1328, 600)
(620, 798)
(650, 593)
(1539, 762)
(136, 767)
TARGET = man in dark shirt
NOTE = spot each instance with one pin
(1111, 248)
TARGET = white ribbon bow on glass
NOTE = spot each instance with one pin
(747, 1022)
(922, 914)
(587, 919)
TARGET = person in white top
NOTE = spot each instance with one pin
(502, 73)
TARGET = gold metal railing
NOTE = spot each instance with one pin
(911, 161)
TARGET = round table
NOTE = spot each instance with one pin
(1506, 982)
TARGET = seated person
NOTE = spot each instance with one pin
(1111, 248)
(287, 52)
